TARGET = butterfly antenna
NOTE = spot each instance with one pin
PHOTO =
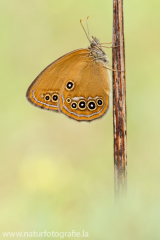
(85, 31)
(88, 28)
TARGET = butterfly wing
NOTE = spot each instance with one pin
(44, 90)
(84, 95)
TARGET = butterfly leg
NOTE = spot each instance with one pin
(111, 46)
(104, 65)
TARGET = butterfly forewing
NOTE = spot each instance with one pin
(44, 91)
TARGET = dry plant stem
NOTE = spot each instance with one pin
(119, 100)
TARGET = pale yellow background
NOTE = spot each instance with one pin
(57, 174)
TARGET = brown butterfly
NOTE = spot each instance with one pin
(76, 84)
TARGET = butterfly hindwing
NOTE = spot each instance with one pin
(84, 95)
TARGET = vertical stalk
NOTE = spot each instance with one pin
(119, 100)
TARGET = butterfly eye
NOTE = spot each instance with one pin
(91, 105)
(99, 102)
(82, 105)
(74, 105)
(47, 97)
(55, 97)
(68, 100)
(70, 85)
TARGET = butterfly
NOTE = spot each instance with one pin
(76, 84)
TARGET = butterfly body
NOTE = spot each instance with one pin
(77, 84)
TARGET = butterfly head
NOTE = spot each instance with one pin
(97, 52)
(95, 47)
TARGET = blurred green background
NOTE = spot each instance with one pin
(57, 174)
